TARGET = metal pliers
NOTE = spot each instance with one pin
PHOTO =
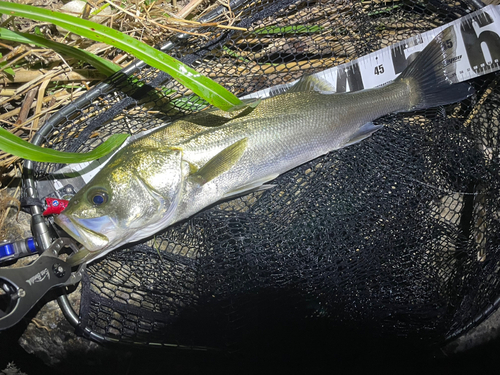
(21, 288)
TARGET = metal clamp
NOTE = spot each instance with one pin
(21, 288)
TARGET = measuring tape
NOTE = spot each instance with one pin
(477, 52)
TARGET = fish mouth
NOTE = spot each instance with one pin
(85, 231)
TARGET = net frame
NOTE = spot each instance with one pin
(180, 257)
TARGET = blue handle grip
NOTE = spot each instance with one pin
(18, 249)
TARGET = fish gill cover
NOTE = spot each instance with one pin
(397, 236)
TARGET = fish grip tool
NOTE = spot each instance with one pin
(23, 287)
(394, 237)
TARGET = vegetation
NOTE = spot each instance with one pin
(204, 87)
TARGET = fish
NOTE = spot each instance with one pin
(178, 170)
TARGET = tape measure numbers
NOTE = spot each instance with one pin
(477, 52)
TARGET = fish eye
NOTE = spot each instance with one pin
(98, 197)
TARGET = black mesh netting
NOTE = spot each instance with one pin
(395, 236)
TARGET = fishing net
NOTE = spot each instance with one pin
(397, 236)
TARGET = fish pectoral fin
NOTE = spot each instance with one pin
(363, 132)
(222, 162)
(254, 186)
(312, 83)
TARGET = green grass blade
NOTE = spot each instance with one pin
(102, 65)
(234, 54)
(16, 146)
(203, 86)
(8, 70)
(387, 9)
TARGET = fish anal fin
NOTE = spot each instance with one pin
(220, 163)
(363, 132)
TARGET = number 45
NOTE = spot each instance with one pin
(379, 69)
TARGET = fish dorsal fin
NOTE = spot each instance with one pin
(216, 117)
(192, 125)
(363, 132)
(221, 162)
(246, 104)
(170, 135)
(312, 83)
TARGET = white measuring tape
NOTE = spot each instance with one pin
(477, 52)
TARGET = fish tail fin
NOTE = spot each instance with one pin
(432, 75)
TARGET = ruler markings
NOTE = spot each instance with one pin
(477, 52)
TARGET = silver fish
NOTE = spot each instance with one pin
(178, 170)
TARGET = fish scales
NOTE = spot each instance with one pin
(180, 169)
(294, 126)
(289, 130)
